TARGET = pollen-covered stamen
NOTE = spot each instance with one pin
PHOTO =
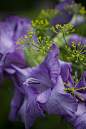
(66, 28)
(35, 81)
(76, 9)
(48, 14)
(77, 53)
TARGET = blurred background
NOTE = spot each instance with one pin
(30, 9)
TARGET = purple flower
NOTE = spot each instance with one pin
(79, 121)
(65, 17)
(79, 91)
(11, 30)
(76, 39)
(43, 89)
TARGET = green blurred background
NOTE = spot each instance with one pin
(30, 9)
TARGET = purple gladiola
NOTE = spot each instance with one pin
(11, 30)
(42, 88)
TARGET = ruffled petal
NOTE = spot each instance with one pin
(24, 116)
(34, 111)
(44, 96)
(51, 64)
(65, 70)
(48, 70)
(60, 102)
(80, 122)
(16, 58)
(30, 109)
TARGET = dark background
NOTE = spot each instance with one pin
(17, 5)
(30, 9)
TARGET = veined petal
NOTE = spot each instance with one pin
(24, 116)
(51, 64)
(34, 111)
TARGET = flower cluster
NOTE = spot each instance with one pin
(44, 80)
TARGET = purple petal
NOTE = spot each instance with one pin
(60, 102)
(30, 109)
(16, 58)
(12, 20)
(44, 96)
(48, 70)
(16, 102)
(33, 107)
(70, 120)
(81, 108)
(2, 65)
(26, 118)
(80, 116)
(51, 64)
(80, 122)
(76, 39)
(65, 70)
(6, 42)
(19, 27)
(65, 17)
